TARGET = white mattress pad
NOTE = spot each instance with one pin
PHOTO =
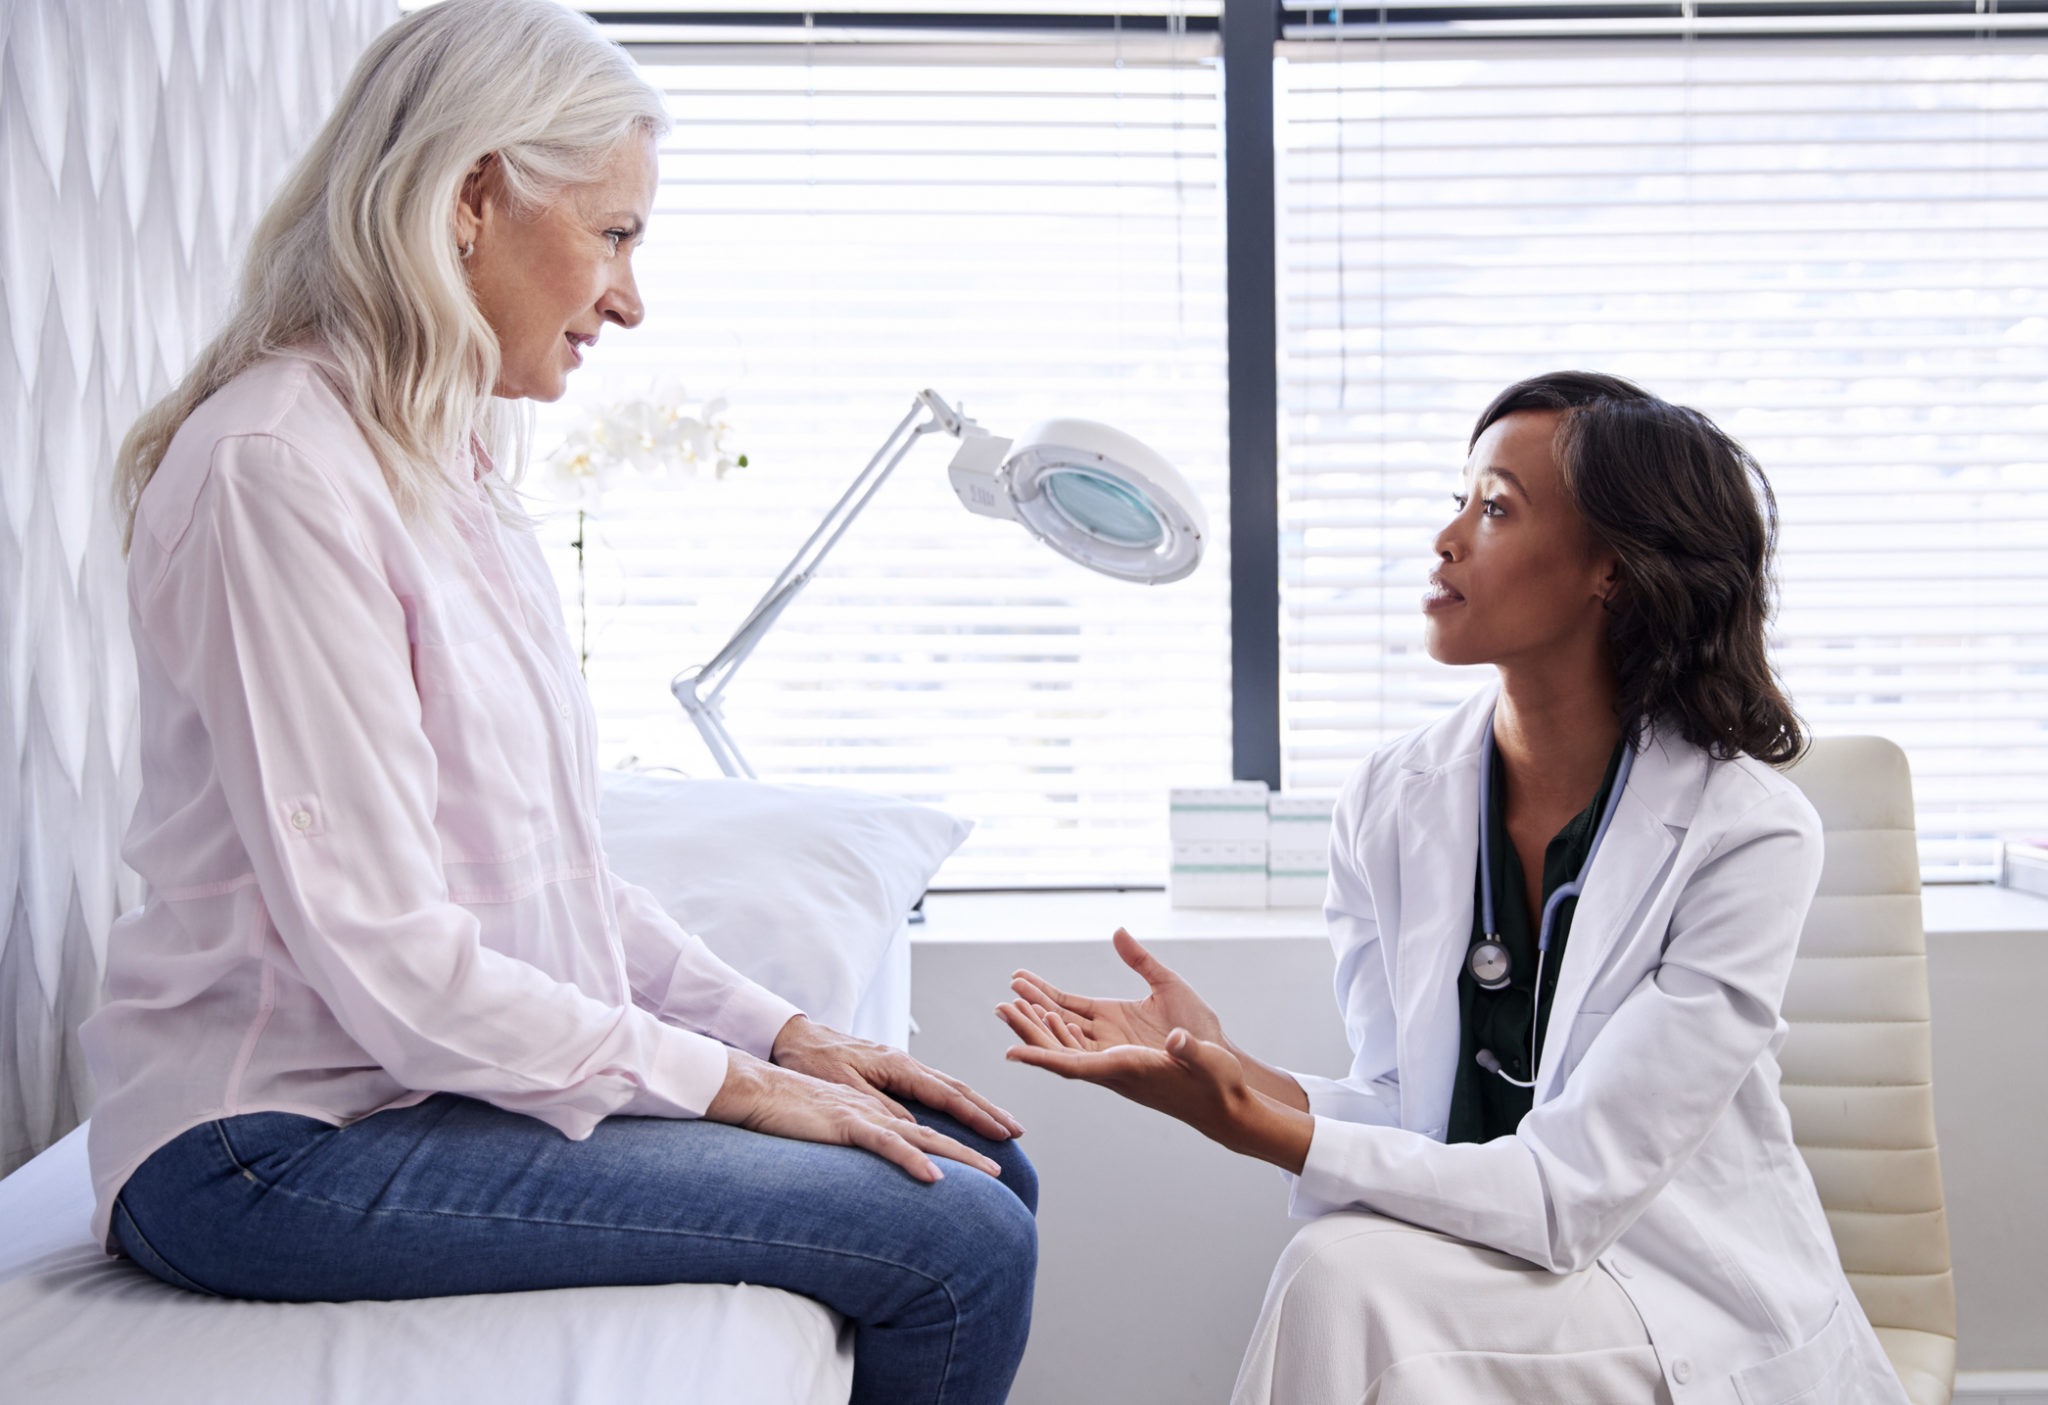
(79, 1327)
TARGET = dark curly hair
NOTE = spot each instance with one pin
(1692, 521)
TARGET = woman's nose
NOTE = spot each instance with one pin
(1448, 545)
(622, 303)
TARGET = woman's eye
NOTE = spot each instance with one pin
(1460, 499)
(1491, 507)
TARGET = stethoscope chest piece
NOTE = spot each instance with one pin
(1488, 962)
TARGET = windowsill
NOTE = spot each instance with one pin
(1960, 909)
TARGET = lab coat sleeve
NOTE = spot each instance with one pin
(679, 978)
(1647, 1091)
(1371, 1092)
(272, 612)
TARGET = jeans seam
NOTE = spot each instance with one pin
(220, 1129)
(163, 1266)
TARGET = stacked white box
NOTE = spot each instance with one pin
(1218, 874)
(1297, 849)
(1218, 836)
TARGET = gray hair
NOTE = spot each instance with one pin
(358, 248)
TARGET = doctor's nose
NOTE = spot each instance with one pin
(1449, 545)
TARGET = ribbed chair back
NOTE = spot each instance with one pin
(1858, 1065)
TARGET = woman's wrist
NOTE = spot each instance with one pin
(1272, 1131)
(1276, 1083)
(741, 1090)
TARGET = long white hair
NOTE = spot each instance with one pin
(358, 249)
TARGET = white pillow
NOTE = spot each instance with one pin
(799, 887)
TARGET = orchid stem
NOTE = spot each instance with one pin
(582, 604)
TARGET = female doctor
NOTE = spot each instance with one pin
(1564, 916)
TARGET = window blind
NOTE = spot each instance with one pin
(1034, 230)
(1835, 248)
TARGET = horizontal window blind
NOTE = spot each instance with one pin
(1027, 233)
(1521, 19)
(1838, 250)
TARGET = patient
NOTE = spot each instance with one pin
(386, 1026)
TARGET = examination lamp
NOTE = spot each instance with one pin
(1092, 493)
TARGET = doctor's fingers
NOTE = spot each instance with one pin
(1118, 1068)
(1155, 971)
(1035, 995)
(1030, 1024)
(1033, 986)
(1062, 1029)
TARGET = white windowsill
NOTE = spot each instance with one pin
(1959, 909)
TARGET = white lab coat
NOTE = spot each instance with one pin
(1658, 1147)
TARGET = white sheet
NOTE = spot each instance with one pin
(80, 1328)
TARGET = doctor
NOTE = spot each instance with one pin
(1564, 916)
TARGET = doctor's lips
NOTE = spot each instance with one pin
(579, 340)
(1440, 594)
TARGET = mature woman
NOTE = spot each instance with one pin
(1564, 916)
(386, 1026)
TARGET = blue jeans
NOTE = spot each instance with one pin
(456, 1196)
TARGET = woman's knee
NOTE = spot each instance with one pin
(1019, 1176)
(992, 1242)
(1337, 1256)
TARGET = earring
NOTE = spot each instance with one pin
(465, 250)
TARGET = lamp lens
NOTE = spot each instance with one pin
(1103, 507)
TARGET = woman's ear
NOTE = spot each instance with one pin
(471, 199)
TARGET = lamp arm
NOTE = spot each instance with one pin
(698, 689)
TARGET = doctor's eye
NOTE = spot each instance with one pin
(618, 237)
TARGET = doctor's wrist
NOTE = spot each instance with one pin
(1274, 1132)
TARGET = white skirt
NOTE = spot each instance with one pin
(1364, 1310)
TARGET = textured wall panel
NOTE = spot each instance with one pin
(139, 141)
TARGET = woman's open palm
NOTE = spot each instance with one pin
(1099, 1023)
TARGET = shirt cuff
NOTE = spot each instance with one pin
(1342, 1102)
(751, 1017)
(687, 1073)
(1323, 1184)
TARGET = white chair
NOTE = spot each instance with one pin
(1858, 1065)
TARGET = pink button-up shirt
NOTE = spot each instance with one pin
(368, 820)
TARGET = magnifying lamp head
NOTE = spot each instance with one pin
(1093, 494)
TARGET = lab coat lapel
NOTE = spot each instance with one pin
(1662, 794)
(1439, 859)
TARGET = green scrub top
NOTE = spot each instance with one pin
(1484, 1105)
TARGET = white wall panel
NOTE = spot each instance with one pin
(139, 143)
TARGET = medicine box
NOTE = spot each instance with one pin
(1298, 824)
(1234, 813)
(1218, 874)
(1290, 885)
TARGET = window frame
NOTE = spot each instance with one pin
(1251, 34)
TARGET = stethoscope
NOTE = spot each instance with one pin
(1488, 961)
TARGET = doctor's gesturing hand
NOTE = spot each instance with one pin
(1167, 1052)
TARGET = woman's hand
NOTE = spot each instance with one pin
(878, 1070)
(1096, 1024)
(1197, 1081)
(781, 1103)
(1099, 1024)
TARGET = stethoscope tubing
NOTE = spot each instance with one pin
(1563, 891)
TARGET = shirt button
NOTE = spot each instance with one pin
(302, 819)
(1681, 1370)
